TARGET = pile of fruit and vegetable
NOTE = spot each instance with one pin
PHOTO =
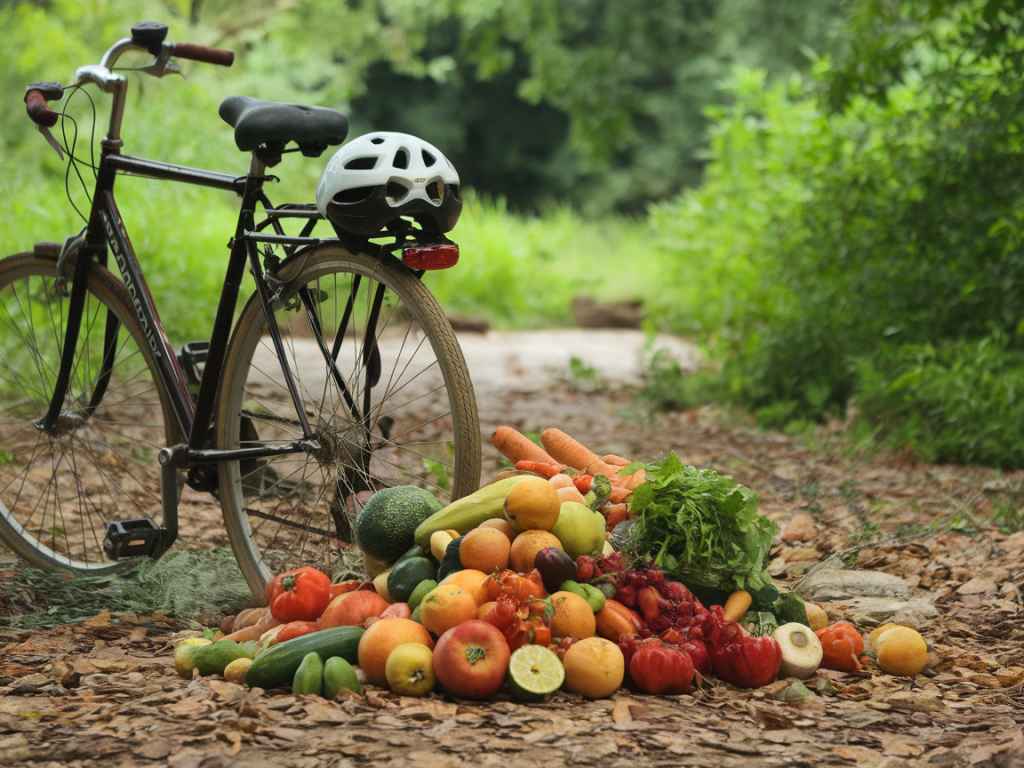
(571, 571)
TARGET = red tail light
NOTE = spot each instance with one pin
(431, 256)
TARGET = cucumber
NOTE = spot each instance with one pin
(276, 666)
(339, 674)
(467, 513)
(309, 677)
(407, 574)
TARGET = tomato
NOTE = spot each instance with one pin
(841, 646)
(661, 669)
(343, 587)
(299, 595)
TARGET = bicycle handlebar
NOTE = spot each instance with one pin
(205, 54)
(36, 98)
(38, 111)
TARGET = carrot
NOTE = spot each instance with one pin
(638, 477)
(737, 604)
(583, 482)
(542, 468)
(619, 495)
(516, 447)
(254, 632)
(614, 515)
(618, 461)
(574, 454)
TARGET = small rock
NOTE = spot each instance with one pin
(864, 610)
(979, 585)
(801, 527)
(914, 614)
(830, 585)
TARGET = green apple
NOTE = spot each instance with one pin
(410, 670)
(580, 529)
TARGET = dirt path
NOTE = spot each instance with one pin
(104, 692)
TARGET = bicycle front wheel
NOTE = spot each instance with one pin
(60, 487)
(384, 387)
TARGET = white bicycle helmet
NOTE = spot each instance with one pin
(381, 176)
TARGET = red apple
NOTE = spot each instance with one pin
(471, 660)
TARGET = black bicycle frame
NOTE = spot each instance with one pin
(106, 228)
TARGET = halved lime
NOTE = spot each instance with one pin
(534, 672)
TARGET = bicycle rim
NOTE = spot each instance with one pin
(396, 408)
(60, 489)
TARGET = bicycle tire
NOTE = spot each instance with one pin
(59, 491)
(298, 509)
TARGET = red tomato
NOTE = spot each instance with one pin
(661, 669)
(299, 595)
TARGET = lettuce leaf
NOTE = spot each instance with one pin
(703, 528)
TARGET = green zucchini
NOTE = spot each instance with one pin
(309, 677)
(339, 674)
(275, 667)
(465, 514)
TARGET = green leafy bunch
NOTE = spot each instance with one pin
(703, 528)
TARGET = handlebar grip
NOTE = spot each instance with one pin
(38, 111)
(204, 53)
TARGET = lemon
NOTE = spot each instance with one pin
(534, 672)
(901, 651)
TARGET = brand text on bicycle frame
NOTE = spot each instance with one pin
(115, 245)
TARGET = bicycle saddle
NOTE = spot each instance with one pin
(274, 124)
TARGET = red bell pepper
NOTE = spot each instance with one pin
(661, 669)
(299, 595)
(742, 660)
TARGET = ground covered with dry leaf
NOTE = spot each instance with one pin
(104, 691)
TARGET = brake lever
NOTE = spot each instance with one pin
(160, 66)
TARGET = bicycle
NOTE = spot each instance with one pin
(340, 375)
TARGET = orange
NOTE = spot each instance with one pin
(503, 525)
(445, 606)
(484, 609)
(901, 651)
(482, 586)
(532, 504)
(526, 546)
(485, 549)
(380, 639)
(594, 668)
(573, 616)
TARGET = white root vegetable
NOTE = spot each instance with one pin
(801, 650)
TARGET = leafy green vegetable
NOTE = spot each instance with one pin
(789, 607)
(703, 529)
(759, 623)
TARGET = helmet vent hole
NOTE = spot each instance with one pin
(454, 188)
(395, 192)
(435, 191)
(354, 195)
(376, 140)
(401, 159)
(428, 159)
(361, 164)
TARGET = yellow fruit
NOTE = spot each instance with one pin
(573, 616)
(901, 651)
(594, 668)
(485, 549)
(532, 504)
(878, 632)
(445, 606)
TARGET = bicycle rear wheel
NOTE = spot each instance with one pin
(60, 489)
(396, 408)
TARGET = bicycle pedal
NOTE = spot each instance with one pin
(132, 538)
(192, 360)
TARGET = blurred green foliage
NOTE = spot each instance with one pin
(862, 233)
